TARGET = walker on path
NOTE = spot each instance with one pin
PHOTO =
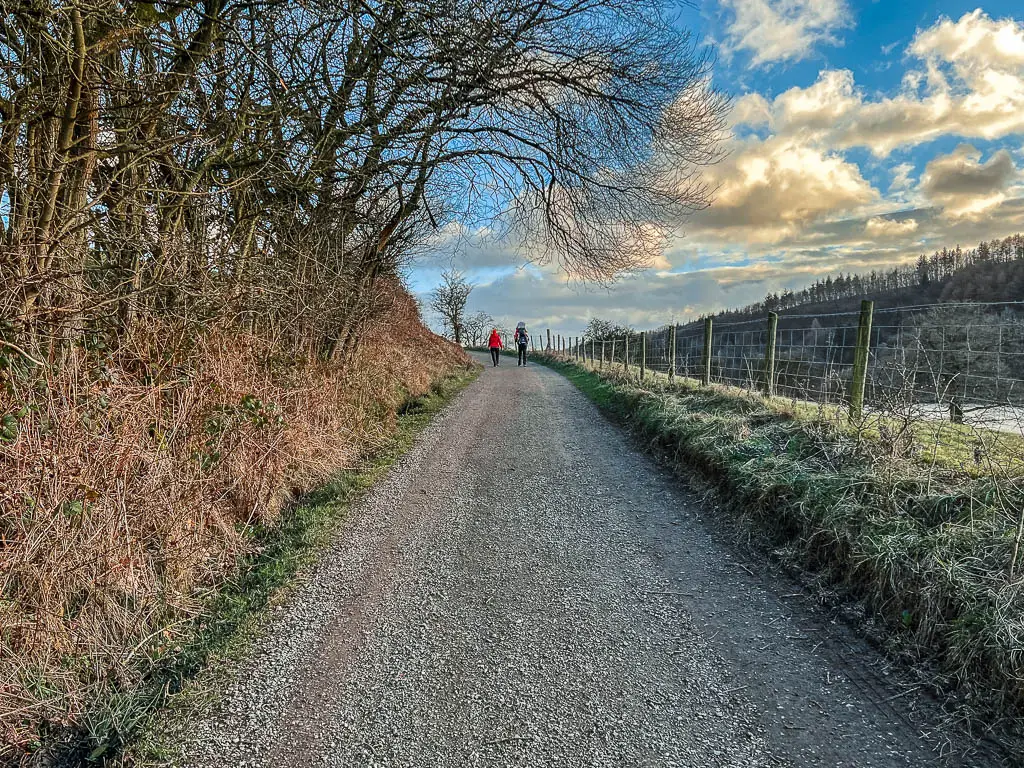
(522, 338)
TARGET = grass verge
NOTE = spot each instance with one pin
(125, 728)
(929, 547)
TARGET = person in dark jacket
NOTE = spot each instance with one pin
(522, 339)
(495, 345)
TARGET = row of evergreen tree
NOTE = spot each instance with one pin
(915, 282)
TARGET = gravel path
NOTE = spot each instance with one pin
(592, 615)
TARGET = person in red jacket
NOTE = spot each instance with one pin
(495, 344)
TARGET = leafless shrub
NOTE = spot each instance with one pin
(449, 302)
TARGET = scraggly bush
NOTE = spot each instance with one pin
(131, 481)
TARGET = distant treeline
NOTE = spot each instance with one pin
(994, 271)
(925, 346)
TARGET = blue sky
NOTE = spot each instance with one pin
(862, 134)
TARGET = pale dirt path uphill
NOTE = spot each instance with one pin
(587, 616)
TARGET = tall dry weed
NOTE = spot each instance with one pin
(129, 482)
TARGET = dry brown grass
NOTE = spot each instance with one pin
(132, 480)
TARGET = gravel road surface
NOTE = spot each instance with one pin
(526, 588)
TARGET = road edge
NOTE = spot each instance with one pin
(243, 610)
(969, 705)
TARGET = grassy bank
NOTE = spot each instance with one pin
(930, 546)
(152, 487)
(124, 728)
(238, 613)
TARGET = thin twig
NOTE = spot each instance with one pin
(22, 352)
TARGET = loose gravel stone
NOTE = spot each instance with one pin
(526, 589)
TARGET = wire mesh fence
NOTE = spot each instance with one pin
(958, 362)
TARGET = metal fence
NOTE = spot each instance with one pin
(961, 362)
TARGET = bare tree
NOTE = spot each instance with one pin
(265, 164)
(449, 302)
(477, 326)
(172, 172)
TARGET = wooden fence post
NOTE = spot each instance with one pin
(860, 359)
(705, 363)
(769, 355)
(672, 352)
(956, 410)
(625, 358)
(643, 354)
(549, 340)
(611, 360)
(601, 365)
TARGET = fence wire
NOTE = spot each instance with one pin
(955, 362)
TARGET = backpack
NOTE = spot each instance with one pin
(521, 337)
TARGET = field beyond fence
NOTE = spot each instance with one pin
(959, 362)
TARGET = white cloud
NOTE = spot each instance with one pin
(772, 189)
(890, 47)
(901, 177)
(819, 107)
(462, 247)
(752, 110)
(974, 43)
(643, 302)
(783, 30)
(970, 84)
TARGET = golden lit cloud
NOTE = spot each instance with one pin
(880, 226)
(964, 185)
(768, 190)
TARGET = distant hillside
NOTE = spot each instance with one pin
(992, 272)
(925, 342)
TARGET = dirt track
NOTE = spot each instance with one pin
(527, 589)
